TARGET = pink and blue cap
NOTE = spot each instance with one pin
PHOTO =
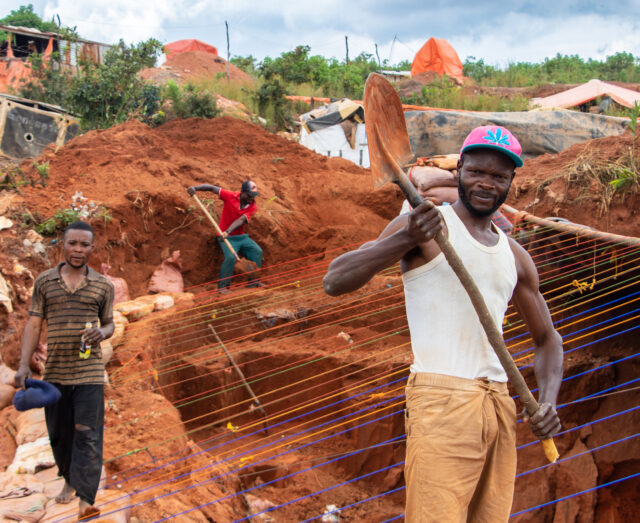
(496, 138)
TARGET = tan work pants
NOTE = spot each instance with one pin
(461, 454)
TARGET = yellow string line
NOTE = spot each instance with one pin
(204, 473)
(577, 302)
(586, 334)
(272, 391)
(583, 318)
(233, 450)
(331, 310)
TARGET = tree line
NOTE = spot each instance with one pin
(109, 93)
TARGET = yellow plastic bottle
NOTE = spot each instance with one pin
(85, 348)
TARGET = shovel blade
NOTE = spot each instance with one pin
(386, 128)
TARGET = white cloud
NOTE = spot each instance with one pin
(269, 28)
(589, 36)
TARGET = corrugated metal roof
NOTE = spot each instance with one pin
(30, 31)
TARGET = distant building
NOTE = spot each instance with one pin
(24, 42)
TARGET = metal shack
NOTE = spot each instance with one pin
(28, 126)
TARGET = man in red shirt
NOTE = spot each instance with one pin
(238, 209)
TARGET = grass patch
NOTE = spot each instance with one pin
(445, 94)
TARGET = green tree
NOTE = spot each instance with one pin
(48, 82)
(109, 93)
(247, 63)
(101, 95)
(476, 69)
(24, 16)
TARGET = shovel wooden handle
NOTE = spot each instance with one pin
(495, 337)
(217, 227)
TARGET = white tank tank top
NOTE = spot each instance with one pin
(446, 335)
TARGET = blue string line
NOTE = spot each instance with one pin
(235, 470)
(590, 343)
(594, 369)
(258, 431)
(399, 516)
(284, 477)
(322, 491)
(535, 442)
(354, 504)
(563, 320)
(564, 498)
(588, 451)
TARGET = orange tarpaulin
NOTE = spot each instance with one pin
(181, 46)
(14, 73)
(437, 55)
(587, 92)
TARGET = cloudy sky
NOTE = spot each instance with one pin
(498, 32)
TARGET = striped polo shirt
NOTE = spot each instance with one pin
(66, 314)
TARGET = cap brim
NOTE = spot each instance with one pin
(516, 159)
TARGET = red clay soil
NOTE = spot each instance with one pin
(308, 203)
(567, 185)
(194, 65)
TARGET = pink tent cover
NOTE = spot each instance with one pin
(587, 92)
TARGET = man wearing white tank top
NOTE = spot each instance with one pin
(460, 421)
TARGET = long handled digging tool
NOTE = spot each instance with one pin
(256, 401)
(389, 148)
(245, 265)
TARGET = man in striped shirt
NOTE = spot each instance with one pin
(77, 304)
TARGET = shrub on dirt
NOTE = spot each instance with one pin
(626, 173)
(191, 102)
(101, 95)
(444, 93)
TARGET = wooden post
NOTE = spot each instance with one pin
(572, 228)
(346, 43)
(228, 53)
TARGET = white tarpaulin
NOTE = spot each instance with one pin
(332, 141)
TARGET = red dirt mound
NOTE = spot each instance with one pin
(308, 202)
(573, 184)
(193, 65)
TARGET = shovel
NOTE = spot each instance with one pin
(245, 265)
(389, 148)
